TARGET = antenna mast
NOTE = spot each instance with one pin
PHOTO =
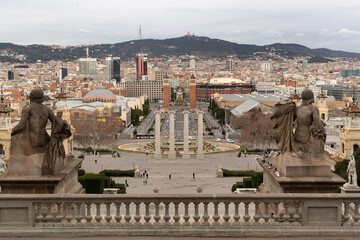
(140, 31)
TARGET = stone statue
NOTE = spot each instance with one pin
(3, 167)
(33, 151)
(352, 176)
(299, 130)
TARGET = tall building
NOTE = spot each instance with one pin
(152, 89)
(166, 93)
(141, 66)
(305, 64)
(62, 74)
(160, 74)
(229, 64)
(87, 66)
(192, 64)
(267, 66)
(10, 75)
(112, 69)
(192, 92)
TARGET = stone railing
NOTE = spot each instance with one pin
(202, 214)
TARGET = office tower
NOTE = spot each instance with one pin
(305, 64)
(192, 64)
(141, 66)
(160, 74)
(113, 69)
(62, 74)
(87, 66)
(229, 64)
(10, 75)
(267, 66)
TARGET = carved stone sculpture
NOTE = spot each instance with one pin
(3, 167)
(352, 176)
(33, 151)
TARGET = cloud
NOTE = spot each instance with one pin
(83, 30)
(343, 32)
(300, 34)
(236, 31)
(271, 33)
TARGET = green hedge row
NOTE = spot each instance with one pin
(95, 183)
(118, 173)
(81, 172)
(90, 149)
(235, 173)
(253, 181)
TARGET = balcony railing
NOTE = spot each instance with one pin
(232, 213)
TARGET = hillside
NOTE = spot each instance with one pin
(186, 45)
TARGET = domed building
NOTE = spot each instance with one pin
(99, 95)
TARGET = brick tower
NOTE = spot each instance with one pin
(166, 92)
(192, 93)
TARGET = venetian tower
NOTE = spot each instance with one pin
(323, 109)
(350, 133)
(62, 107)
(5, 128)
(295, 98)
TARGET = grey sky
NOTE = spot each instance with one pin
(332, 24)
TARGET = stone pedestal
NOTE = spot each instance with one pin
(157, 154)
(200, 150)
(63, 182)
(350, 189)
(186, 154)
(172, 136)
(301, 179)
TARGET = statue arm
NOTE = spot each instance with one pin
(21, 125)
(316, 117)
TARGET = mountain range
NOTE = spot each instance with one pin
(187, 45)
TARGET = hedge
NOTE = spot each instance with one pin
(94, 183)
(121, 187)
(257, 179)
(234, 173)
(237, 185)
(118, 173)
(81, 172)
(248, 183)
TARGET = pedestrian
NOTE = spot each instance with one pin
(147, 176)
(95, 161)
(145, 181)
(193, 175)
(169, 176)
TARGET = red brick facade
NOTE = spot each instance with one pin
(166, 97)
(192, 95)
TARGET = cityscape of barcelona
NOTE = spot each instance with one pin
(192, 119)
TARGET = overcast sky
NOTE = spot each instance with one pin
(332, 24)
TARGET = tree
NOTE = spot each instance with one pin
(135, 116)
(146, 109)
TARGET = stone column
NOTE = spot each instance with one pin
(157, 136)
(172, 135)
(186, 154)
(200, 139)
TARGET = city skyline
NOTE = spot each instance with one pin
(315, 24)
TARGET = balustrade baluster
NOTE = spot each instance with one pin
(286, 216)
(186, 215)
(49, 217)
(118, 215)
(216, 216)
(346, 215)
(88, 214)
(246, 215)
(69, 215)
(137, 216)
(266, 216)
(276, 216)
(157, 215)
(236, 216)
(98, 216)
(39, 217)
(206, 214)
(78, 216)
(196, 216)
(108, 216)
(147, 216)
(256, 217)
(59, 216)
(176, 215)
(127, 213)
(167, 214)
(226, 214)
(297, 214)
(356, 216)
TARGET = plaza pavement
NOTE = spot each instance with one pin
(181, 171)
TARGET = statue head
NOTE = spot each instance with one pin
(307, 95)
(37, 95)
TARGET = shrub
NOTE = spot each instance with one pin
(211, 133)
(118, 173)
(257, 179)
(237, 185)
(232, 173)
(239, 154)
(254, 150)
(248, 182)
(341, 167)
(81, 180)
(121, 188)
(81, 172)
(107, 181)
(94, 183)
(208, 129)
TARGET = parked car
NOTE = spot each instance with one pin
(192, 138)
(229, 140)
(81, 156)
(217, 140)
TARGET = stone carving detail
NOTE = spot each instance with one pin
(352, 176)
(33, 151)
(3, 167)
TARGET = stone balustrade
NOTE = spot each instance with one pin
(231, 213)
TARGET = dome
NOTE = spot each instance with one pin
(99, 95)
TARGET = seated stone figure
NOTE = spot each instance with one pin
(32, 150)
